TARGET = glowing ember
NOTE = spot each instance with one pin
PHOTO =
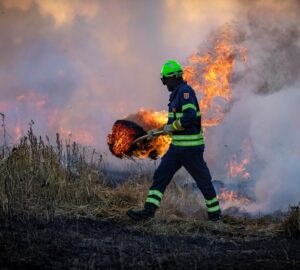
(123, 134)
(150, 120)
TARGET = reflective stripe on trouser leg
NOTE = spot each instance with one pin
(213, 205)
(154, 197)
(168, 166)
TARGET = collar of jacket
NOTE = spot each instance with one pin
(174, 92)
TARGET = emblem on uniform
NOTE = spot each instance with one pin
(174, 109)
(186, 95)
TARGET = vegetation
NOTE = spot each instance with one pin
(44, 181)
(63, 184)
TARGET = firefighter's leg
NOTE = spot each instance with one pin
(169, 165)
(196, 166)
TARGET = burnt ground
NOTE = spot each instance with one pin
(82, 243)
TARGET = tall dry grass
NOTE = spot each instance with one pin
(41, 180)
(38, 179)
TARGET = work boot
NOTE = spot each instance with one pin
(214, 216)
(145, 214)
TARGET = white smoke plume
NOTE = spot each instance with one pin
(265, 111)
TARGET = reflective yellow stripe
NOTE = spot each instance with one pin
(174, 125)
(153, 201)
(178, 115)
(155, 192)
(187, 137)
(189, 105)
(213, 209)
(177, 125)
(188, 143)
(209, 202)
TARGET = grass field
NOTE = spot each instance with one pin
(58, 210)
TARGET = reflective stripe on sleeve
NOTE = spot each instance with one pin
(188, 143)
(187, 137)
(189, 106)
(179, 115)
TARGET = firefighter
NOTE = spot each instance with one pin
(186, 148)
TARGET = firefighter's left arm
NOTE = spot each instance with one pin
(189, 108)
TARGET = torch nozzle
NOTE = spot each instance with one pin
(157, 133)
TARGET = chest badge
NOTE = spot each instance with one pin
(174, 109)
(186, 95)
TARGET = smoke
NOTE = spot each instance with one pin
(266, 89)
(92, 62)
(77, 66)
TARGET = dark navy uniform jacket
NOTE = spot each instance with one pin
(184, 106)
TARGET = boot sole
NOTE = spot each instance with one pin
(135, 217)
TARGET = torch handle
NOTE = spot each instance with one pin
(145, 136)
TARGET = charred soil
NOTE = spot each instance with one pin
(58, 210)
(85, 243)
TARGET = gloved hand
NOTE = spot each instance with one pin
(167, 129)
(151, 133)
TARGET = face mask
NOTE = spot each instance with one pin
(163, 80)
(170, 88)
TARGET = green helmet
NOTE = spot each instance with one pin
(171, 68)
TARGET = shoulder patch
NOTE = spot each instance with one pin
(186, 95)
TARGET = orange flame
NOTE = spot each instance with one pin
(237, 166)
(226, 195)
(210, 75)
(120, 139)
(149, 119)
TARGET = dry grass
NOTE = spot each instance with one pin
(41, 180)
(291, 223)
